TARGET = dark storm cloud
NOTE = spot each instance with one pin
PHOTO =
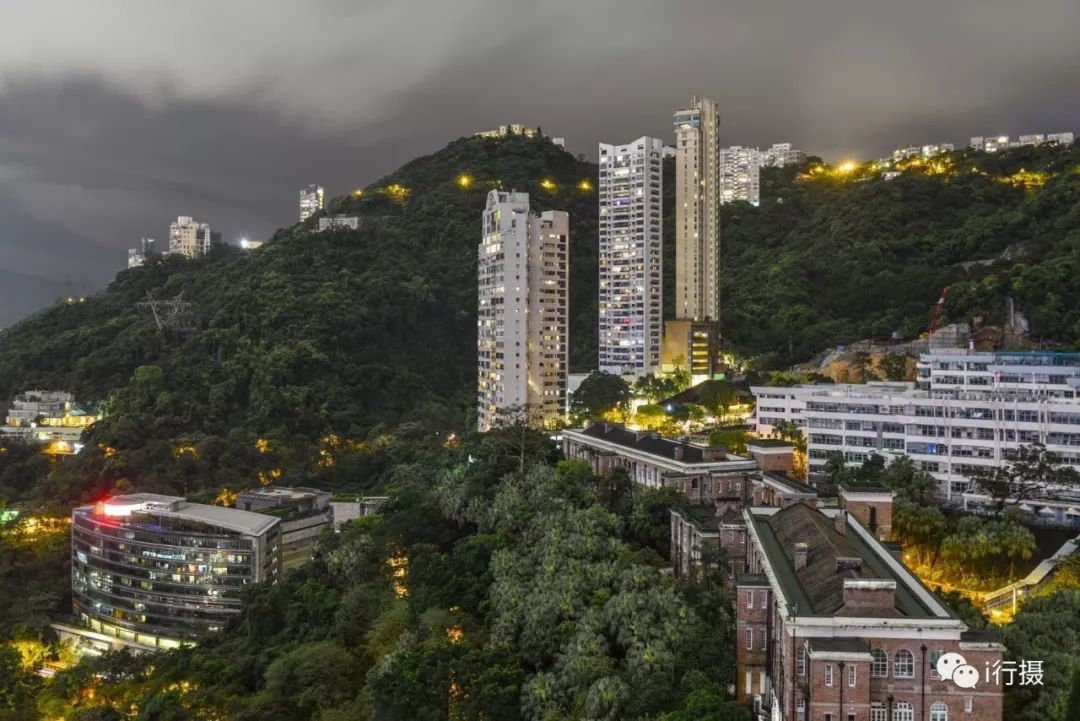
(115, 117)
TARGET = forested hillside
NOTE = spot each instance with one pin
(320, 337)
(837, 255)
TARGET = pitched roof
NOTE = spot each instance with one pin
(646, 442)
(819, 579)
(818, 588)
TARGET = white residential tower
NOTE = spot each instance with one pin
(631, 250)
(522, 331)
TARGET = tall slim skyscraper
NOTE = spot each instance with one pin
(522, 330)
(631, 251)
(740, 175)
(189, 237)
(311, 201)
(697, 206)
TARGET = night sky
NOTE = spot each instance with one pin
(117, 116)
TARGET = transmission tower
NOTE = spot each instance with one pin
(172, 314)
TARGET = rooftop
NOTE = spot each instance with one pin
(769, 443)
(865, 488)
(818, 588)
(703, 518)
(229, 519)
(656, 445)
(790, 484)
(839, 645)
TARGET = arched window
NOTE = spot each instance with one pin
(939, 711)
(879, 667)
(904, 664)
(903, 711)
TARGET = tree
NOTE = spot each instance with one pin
(894, 366)
(1047, 629)
(861, 366)
(910, 484)
(717, 397)
(836, 471)
(1024, 476)
(601, 394)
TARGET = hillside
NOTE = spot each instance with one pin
(314, 333)
(834, 257)
(345, 333)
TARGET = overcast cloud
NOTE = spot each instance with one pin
(117, 116)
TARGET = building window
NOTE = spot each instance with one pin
(828, 675)
(939, 711)
(903, 711)
(749, 639)
(764, 599)
(851, 717)
(879, 667)
(969, 704)
(851, 676)
(904, 664)
(800, 661)
(749, 599)
(828, 717)
(933, 664)
(878, 712)
(800, 704)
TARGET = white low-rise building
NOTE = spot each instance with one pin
(333, 222)
(967, 410)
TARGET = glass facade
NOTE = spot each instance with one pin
(151, 577)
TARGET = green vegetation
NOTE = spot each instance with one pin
(828, 259)
(494, 585)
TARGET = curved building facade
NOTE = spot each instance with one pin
(158, 571)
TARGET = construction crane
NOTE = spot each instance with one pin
(936, 311)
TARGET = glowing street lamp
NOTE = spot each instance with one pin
(464, 180)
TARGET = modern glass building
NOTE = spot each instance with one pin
(157, 571)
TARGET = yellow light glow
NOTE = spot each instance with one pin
(548, 184)
(584, 185)
(464, 180)
(846, 167)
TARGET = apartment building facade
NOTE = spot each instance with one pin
(191, 238)
(311, 201)
(967, 410)
(697, 206)
(155, 571)
(522, 324)
(740, 175)
(631, 256)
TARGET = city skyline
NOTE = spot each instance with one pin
(224, 136)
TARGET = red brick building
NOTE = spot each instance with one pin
(832, 627)
(697, 527)
(706, 474)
